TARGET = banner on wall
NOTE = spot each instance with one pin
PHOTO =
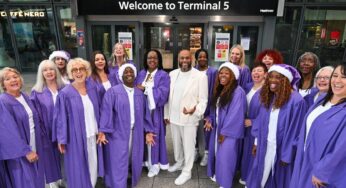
(125, 38)
(222, 41)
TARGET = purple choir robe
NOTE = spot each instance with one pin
(231, 125)
(310, 97)
(244, 77)
(161, 93)
(116, 123)
(248, 141)
(211, 74)
(15, 144)
(43, 102)
(69, 129)
(112, 79)
(291, 116)
(325, 152)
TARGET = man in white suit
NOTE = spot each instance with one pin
(185, 108)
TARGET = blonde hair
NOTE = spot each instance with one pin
(114, 59)
(242, 54)
(3, 73)
(76, 61)
(41, 81)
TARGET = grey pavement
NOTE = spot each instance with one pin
(164, 179)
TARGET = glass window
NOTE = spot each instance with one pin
(34, 30)
(130, 46)
(286, 32)
(294, 0)
(161, 39)
(248, 33)
(101, 39)
(67, 29)
(7, 56)
(221, 47)
(324, 33)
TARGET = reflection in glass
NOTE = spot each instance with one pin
(246, 33)
(7, 56)
(35, 37)
(324, 33)
(220, 29)
(161, 39)
(67, 29)
(286, 32)
(101, 39)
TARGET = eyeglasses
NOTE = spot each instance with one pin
(75, 70)
(322, 78)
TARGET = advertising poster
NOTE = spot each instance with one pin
(125, 38)
(222, 46)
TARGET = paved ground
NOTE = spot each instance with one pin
(164, 179)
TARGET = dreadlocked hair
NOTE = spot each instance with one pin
(282, 97)
(224, 92)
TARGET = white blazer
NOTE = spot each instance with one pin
(195, 94)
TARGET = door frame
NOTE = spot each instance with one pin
(235, 33)
(176, 37)
(113, 24)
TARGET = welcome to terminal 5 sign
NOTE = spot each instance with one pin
(178, 7)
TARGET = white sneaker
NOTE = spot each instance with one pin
(196, 155)
(213, 178)
(175, 167)
(182, 179)
(153, 171)
(242, 182)
(204, 160)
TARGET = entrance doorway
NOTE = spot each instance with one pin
(170, 39)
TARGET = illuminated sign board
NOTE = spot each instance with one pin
(178, 8)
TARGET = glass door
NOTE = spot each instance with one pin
(170, 39)
(223, 36)
(105, 35)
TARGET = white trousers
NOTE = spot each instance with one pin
(269, 162)
(184, 141)
(92, 159)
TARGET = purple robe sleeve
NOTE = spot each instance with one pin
(148, 125)
(291, 132)
(161, 91)
(325, 168)
(107, 112)
(60, 122)
(11, 144)
(233, 123)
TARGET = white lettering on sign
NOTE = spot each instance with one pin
(180, 5)
(267, 10)
(24, 14)
(139, 6)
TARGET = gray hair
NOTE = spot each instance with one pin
(41, 81)
(3, 73)
(314, 56)
(76, 61)
(330, 68)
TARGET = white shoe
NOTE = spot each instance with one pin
(153, 171)
(182, 179)
(204, 160)
(175, 167)
(213, 178)
(242, 182)
(196, 155)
